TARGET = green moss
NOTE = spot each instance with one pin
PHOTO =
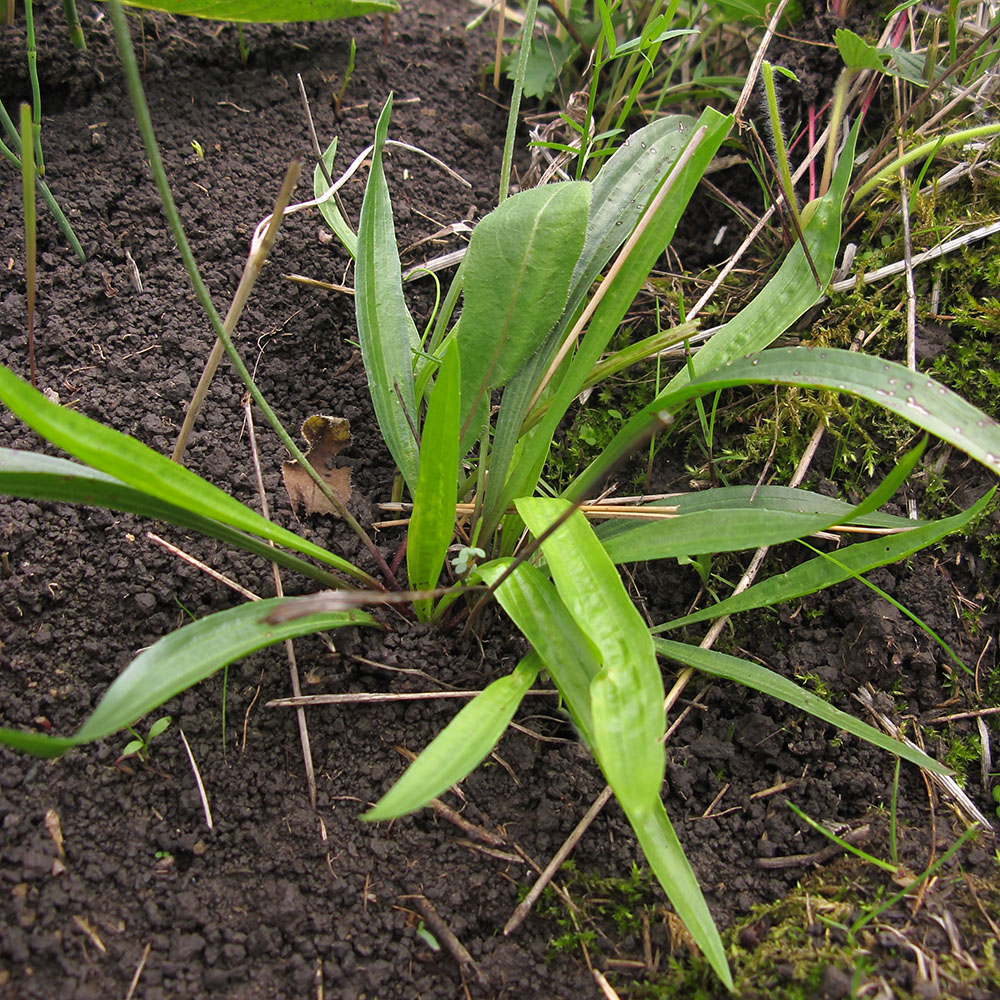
(786, 950)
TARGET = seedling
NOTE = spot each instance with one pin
(139, 746)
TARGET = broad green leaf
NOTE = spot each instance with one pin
(793, 288)
(618, 299)
(626, 697)
(42, 477)
(619, 195)
(917, 398)
(672, 869)
(461, 746)
(856, 52)
(702, 527)
(517, 272)
(147, 471)
(329, 209)
(181, 659)
(433, 521)
(386, 330)
(269, 11)
(819, 573)
(569, 656)
(759, 678)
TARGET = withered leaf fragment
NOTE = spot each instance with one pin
(326, 436)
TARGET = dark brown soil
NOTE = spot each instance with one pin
(278, 900)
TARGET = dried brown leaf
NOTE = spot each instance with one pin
(326, 436)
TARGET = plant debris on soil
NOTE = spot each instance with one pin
(113, 884)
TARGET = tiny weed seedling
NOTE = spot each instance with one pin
(139, 745)
(469, 412)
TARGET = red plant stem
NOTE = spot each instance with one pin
(812, 144)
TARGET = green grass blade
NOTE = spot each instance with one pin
(673, 871)
(13, 154)
(759, 678)
(181, 659)
(819, 573)
(461, 746)
(42, 477)
(147, 471)
(385, 327)
(706, 532)
(432, 523)
(792, 290)
(777, 498)
(329, 209)
(569, 656)
(518, 268)
(269, 11)
(626, 697)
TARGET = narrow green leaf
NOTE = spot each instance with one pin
(518, 268)
(702, 527)
(569, 656)
(793, 288)
(707, 532)
(42, 477)
(759, 678)
(819, 573)
(672, 869)
(433, 521)
(269, 11)
(145, 470)
(627, 695)
(461, 746)
(620, 193)
(917, 398)
(386, 329)
(329, 209)
(181, 659)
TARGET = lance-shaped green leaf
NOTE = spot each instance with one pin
(517, 272)
(181, 659)
(147, 471)
(522, 478)
(619, 195)
(269, 11)
(432, 523)
(753, 675)
(764, 517)
(626, 697)
(820, 573)
(537, 610)
(672, 869)
(461, 746)
(917, 398)
(329, 208)
(792, 290)
(42, 477)
(386, 330)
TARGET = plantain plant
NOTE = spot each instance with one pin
(469, 413)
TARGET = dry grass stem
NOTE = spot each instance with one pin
(202, 794)
(204, 567)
